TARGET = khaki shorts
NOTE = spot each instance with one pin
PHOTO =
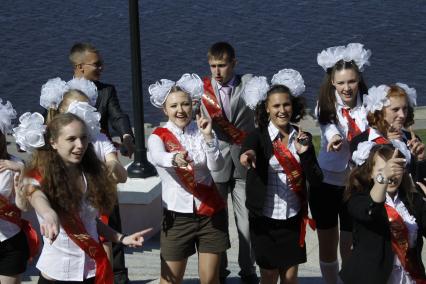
(185, 233)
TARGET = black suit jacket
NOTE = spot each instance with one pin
(372, 258)
(257, 178)
(108, 106)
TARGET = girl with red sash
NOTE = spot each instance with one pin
(341, 117)
(14, 247)
(68, 186)
(389, 219)
(281, 160)
(184, 152)
(390, 114)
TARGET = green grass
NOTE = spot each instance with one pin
(316, 140)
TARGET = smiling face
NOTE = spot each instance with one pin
(395, 113)
(378, 167)
(178, 108)
(71, 143)
(346, 82)
(280, 109)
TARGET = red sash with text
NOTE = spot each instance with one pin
(74, 227)
(211, 201)
(293, 170)
(399, 239)
(11, 213)
(215, 111)
(353, 129)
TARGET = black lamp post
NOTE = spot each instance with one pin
(140, 168)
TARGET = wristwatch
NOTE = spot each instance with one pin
(381, 179)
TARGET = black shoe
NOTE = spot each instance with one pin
(250, 279)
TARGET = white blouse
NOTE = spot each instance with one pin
(64, 260)
(206, 157)
(281, 202)
(335, 165)
(103, 147)
(399, 275)
(8, 229)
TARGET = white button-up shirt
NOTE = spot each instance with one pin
(206, 157)
(103, 147)
(399, 275)
(64, 260)
(335, 164)
(8, 229)
(280, 201)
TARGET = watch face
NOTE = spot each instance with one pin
(380, 178)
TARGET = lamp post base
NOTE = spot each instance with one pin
(141, 170)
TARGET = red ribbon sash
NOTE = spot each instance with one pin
(76, 231)
(353, 129)
(293, 170)
(215, 111)
(211, 201)
(399, 239)
(11, 213)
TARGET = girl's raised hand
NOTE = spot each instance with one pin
(302, 141)
(394, 166)
(248, 159)
(205, 126)
(335, 144)
(417, 148)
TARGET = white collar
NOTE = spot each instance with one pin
(373, 134)
(274, 132)
(177, 130)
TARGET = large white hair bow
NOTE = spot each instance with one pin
(360, 155)
(411, 93)
(255, 91)
(52, 93)
(29, 135)
(353, 51)
(89, 115)
(376, 98)
(290, 78)
(86, 86)
(189, 83)
(7, 114)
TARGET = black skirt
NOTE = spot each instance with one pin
(276, 242)
(14, 253)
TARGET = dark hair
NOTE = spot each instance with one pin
(327, 98)
(298, 106)
(360, 177)
(78, 50)
(61, 191)
(221, 49)
(377, 119)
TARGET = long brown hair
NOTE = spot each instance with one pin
(360, 179)
(377, 118)
(327, 99)
(62, 192)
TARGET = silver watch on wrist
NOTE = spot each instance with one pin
(381, 179)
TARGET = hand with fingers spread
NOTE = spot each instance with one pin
(394, 133)
(136, 239)
(335, 144)
(205, 126)
(248, 159)
(417, 148)
(394, 168)
(302, 142)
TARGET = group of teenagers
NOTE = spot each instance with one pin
(225, 134)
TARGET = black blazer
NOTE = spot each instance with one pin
(257, 178)
(416, 168)
(372, 257)
(108, 106)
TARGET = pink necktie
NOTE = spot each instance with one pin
(225, 92)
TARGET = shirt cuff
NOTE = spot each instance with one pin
(330, 130)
